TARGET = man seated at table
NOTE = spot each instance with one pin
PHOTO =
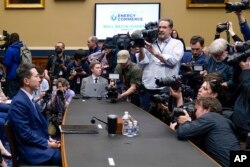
(96, 69)
(214, 130)
(29, 125)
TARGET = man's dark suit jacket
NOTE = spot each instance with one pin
(30, 129)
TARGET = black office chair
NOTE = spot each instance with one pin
(16, 162)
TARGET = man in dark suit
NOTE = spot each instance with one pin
(29, 125)
(96, 69)
(215, 132)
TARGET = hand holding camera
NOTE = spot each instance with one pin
(183, 118)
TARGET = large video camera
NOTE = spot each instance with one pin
(149, 34)
(174, 82)
(6, 38)
(238, 52)
(236, 6)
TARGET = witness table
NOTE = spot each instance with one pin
(155, 146)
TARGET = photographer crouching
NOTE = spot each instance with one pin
(215, 132)
(130, 76)
(56, 107)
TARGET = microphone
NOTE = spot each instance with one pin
(93, 120)
(136, 34)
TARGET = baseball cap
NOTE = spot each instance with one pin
(122, 56)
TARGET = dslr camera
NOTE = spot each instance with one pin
(222, 27)
(179, 111)
(238, 52)
(160, 98)
(149, 34)
(237, 6)
(112, 93)
(78, 69)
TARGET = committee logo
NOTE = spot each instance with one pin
(113, 17)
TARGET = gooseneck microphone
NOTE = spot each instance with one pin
(93, 120)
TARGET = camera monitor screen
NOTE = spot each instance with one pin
(121, 18)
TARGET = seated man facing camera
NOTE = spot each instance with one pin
(214, 130)
(29, 125)
(95, 78)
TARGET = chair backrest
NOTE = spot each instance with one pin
(13, 144)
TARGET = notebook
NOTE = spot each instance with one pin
(95, 89)
(79, 129)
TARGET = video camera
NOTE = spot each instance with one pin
(237, 6)
(222, 27)
(238, 52)
(124, 41)
(174, 82)
(149, 34)
(6, 38)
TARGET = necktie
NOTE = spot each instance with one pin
(34, 104)
(96, 79)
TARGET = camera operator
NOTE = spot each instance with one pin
(130, 76)
(215, 132)
(159, 60)
(77, 70)
(57, 63)
(241, 114)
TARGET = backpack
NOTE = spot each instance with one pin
(25, 55)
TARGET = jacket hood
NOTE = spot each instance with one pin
(16, 45)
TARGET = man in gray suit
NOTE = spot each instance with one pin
(96, 69)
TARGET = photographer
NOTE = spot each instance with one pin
(57, 63)
(77, 70)
(215, 132)
(191, 65)
(241, 114)
(56, 107)
(159, 60)
(130, 76)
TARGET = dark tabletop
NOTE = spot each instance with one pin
(155, 146)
